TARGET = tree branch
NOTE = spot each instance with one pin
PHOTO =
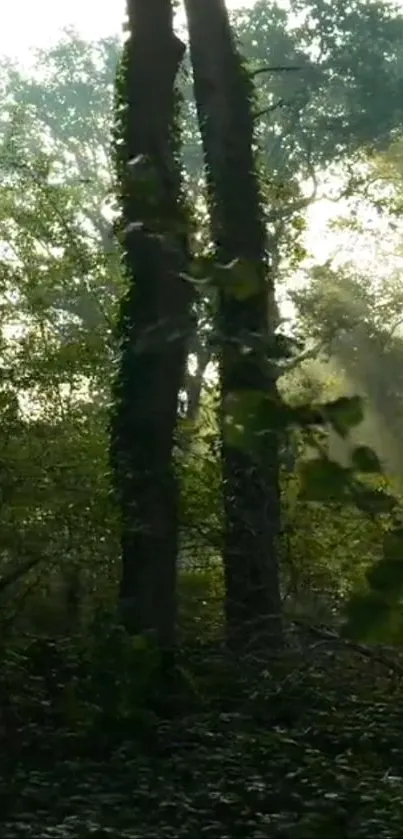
(332, 637)
(8, 579)
(304, 356)
(281, 68)
(281, 103)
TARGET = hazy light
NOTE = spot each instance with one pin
(28, 25)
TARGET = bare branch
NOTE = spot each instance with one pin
(329, 636)
(15, 574)
(281, 103)
(395, 327)
(281, 68)
(304, 356)
(302, 203)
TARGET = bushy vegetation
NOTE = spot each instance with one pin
(309, 745)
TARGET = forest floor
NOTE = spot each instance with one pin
(307, 749)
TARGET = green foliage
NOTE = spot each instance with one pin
(245, 417)
(356, 320)
(357, 74)
(249, 414)
(325, 553)
(59, 283)
(240, 280)
(375, 614)
(199, 471)
(344, 413)
(368, 616)
(201, 600)
(386, 577)
(324, 480)
(363, 459)
(308, 747)
(373, 501)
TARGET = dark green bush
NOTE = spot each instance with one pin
(201, 603)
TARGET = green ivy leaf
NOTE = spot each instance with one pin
(375, 501)
(364, 459)
(234, 435)
(241, 417)
(139, 643)
(249, 415)
(242, 405)
(367, 616)
(202, 269)
(324, 480)
(370, 614)
(386, 577)
(393, 543)
(240, 279)
(345, 413)
(306, 415)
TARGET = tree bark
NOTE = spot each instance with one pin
(224, 94)
(155, 319)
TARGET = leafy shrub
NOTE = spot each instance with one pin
(201, 602)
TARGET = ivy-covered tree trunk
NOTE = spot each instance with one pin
(246, 324)
(154, 322)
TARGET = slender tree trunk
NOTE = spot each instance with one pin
(246, 326)
(155, 319)
(194, 381)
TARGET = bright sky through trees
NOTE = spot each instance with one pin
(29, 24)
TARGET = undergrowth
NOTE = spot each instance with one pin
(97, 742)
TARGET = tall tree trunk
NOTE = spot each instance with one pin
(155, 318)
(224, 95)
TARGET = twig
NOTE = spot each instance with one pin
(7, 580)
(281, 103)
(280, 68)
(304, 356)
(329, 636)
